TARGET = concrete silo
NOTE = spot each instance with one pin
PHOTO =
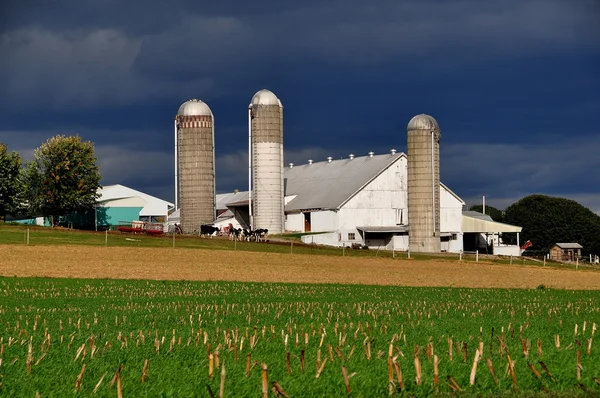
(424, 184)
(265, 114)
(195, 165)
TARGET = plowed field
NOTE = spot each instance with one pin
(202, 265)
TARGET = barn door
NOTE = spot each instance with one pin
(307, 222)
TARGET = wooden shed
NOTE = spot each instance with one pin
(565, 251)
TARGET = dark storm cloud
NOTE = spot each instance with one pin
(507, 80)
(88, 53)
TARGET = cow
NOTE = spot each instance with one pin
(208, 230)
(234, 234)
(261, 235)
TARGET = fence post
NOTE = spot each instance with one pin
(408, 253)
(476, 256)
(544, 261)
(576, 259)
(511, 259)
(460, 255)
(234, 242)
(106, 237)
(343, 249)
(28, 236)
(173, 239)
(291, 247)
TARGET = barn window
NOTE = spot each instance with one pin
(454, 237)
(351, 236)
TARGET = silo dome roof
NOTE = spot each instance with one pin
(265, 97)
(423, 122)
(194, 107)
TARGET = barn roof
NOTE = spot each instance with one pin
(328, 185)
(478, 215)
(569, 245)
(324, 185)
(476, 222)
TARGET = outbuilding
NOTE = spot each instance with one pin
(565, 251)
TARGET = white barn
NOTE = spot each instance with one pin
(353, 201)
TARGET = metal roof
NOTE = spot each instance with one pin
(472, 224)
(265, 97)
(328, 185)
(476, 214)
(324, 185)
(391, 229)
(423, 122)
(194, 107)
(225, 199)
(569, 245)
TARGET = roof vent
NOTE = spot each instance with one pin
(236, 190)
(329, 159)
(393, 151)
(351, 156)
(291, 165)
(371, 154)
(310, 161)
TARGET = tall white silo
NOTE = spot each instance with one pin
(195, 165)
(424, 184)
(265, 114)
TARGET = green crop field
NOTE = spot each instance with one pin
(59, 336)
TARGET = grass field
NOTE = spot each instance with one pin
(55, 332)
(318, 318)
(12, 234)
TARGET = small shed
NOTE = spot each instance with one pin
(565, 251)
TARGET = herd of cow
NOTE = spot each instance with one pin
(257, 235)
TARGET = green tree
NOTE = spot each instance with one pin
(62, 177)
(10, 166)
(496, 214)
(548, 220)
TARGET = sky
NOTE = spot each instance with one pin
(514, 84)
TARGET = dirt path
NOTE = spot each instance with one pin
(177, 264)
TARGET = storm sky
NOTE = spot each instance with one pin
(514, 84)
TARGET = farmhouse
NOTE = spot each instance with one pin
(356, 201)
(565, 251)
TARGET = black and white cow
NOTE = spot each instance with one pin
(260, 235)
(208, 230)
(234, 233)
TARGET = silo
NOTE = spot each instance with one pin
(424, 184)
(195, 165)
(266, 162)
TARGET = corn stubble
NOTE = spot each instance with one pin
(230, 339)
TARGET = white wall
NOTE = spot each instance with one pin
(329, 239)
(382, 202)
(294, 222)
(323, 221)
(451, 219)
(507, 250)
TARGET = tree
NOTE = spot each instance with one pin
(62, 177)
(496, 214)
(10, 166)
(548, 220)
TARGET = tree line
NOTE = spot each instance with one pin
(63, 177)
(547, 220)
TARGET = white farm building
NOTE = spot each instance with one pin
(360, 201)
